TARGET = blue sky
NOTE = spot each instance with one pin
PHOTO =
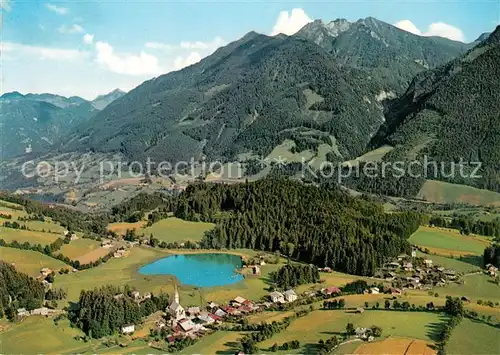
(90, 47)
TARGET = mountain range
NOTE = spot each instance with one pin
(342, 87)
(251, 95)
(34, 122)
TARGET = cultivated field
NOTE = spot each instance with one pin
(77, 248)
(177, 230)
(448, 241)
(443, 192)
(396, 346)
(472, 337)
(30, 262)
(322, 324)
(21, 235)
(120, 228)
(222, 342)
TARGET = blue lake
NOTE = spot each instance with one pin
(202, 270)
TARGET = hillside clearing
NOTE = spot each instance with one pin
(177, 230)
(30, 262)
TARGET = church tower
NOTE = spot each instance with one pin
(176, 296)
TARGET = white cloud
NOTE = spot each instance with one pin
(444, 30)
(71, 29)
(408, 26)
(182, 62)
(57, 9)
(187, 45)
(439, 29)
(88, 38)
(129, 64)
(43, 53)
(5, 5)
(290, 23)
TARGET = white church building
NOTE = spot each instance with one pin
(175, 309)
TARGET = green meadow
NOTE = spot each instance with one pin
(177, 230)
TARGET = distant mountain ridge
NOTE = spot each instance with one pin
(101, 101)
(34, 123)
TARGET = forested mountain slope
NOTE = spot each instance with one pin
(37, 121)
(392, 55)
(450, 113)
(247, 97)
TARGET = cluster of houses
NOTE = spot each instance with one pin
(416, 273)
(288, 296)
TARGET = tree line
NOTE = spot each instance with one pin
(468, 225)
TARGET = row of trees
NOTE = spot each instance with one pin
(292, 275)
(319, 225)
(468, 225)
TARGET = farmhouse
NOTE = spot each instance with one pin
(212, 306)
(290, 296)
(136, 295)
(45, 271)
(239, 300)
(428, 262)
(220, 313)
(331, 290)
(43, 311)
(256, 270)
(374, 290)
(22, 312)
(276, 297)
(128, 329)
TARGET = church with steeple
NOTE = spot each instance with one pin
(175, 309)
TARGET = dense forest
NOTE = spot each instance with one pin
(103, 311)
(318, 225)
(292, 275)
(18, 290)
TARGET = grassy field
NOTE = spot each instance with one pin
(177, 230)
(77, 248)
(21, 235)
(443, 192)
(322, 324)
(374, 155)
(448, 242)
(396, 346)
(478, 286)
(29, 262)
(221, 342)
(472, 337)
(39, 335)
(468, 265)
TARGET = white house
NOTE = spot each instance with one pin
(276, 297)
(22, 312)
(428, 262)
(290, 296)
(129, 328)
(375, 290)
